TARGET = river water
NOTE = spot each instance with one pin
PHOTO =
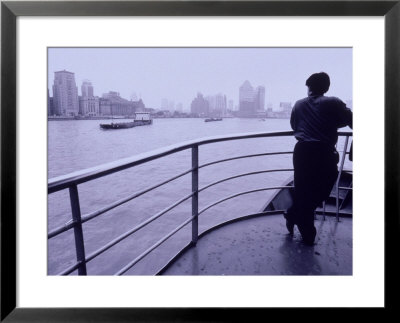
(76, 145)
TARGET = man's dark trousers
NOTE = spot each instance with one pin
(315, 172)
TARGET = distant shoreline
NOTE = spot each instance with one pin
(86, 118)
(154, 117)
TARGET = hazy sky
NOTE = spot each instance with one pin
(177, 74)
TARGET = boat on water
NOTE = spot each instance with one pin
(251, 244)
(141, 119)
(212, 119)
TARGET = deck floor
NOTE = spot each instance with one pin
(262, 246)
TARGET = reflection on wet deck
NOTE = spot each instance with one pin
(262, 246)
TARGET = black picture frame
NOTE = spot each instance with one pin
(10, 10)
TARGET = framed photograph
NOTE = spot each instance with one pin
(158, 158)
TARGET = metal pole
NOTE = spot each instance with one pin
(78, 233)
(339, 175)
(195, 191)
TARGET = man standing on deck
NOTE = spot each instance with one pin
(315, 121)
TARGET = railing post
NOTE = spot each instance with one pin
(339, 175)
(78, 232)
(195, 197)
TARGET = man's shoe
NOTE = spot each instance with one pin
(290, 226)
(308, 237)
(308, 241)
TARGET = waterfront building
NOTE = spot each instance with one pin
(285, 106)
(138, 106)
(89, 105)
(87, 89)
(111, 95)
(211, 102)
(171, 106)
(230, 105)
(220, 105)
(179, 107)
(259, 99)
(163, 114)
(111, 103)
(285, 109)
(167, 105)
(200, 106)
(246, 99)
(65, 94)
(216, 105)
(270, 110)
(50, 105)
(283, 112)
(133, 96)
(164, 104)
(251, 101)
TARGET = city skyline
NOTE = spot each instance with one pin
(180, 73)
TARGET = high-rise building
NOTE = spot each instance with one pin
(171, 106)
(251, 101)
(270, 109)
(164, 104)
(285, 109)
(167, 105)
(52, 106)
(65, 94)
(49, 103)
(259, 98)
(230, 105)
(246, 92)
(217, 105)
(200, 106)
(89, 105)
(211, 102)
(285, 106)
(179, 107)
(220, 105)
(87, 89)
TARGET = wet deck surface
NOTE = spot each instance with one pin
(262, 246)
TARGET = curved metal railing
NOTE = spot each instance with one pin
(71, 182)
